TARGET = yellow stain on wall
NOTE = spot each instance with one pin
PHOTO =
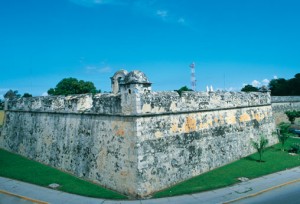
(259, 117)
(216, 120)
(245, 117)
(190, 124)
(231, 119)
(158, 134)
(203, 126)
(146, 108)
(210, 123)
(174, 127)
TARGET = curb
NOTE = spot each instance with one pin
(263, 191)
(23, 197)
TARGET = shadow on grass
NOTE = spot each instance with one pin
(251, 158)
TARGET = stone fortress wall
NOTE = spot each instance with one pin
(134, 140)
(281, 104)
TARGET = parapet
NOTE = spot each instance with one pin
(83, 103)
(171, 102)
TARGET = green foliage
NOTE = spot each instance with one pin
(17, 167)
(26, 95)
(249, 88)
(292, 115)
(228, 174)
(1, 104)
(283, 87)
(260, 146)
(295, 147)
(283, 133)
(71, 85)
(184, 88)
(11, 94)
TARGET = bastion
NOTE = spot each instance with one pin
(134, 140)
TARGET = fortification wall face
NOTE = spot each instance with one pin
(137, 143)
(97, 148)
(281, 104)
(173, 148)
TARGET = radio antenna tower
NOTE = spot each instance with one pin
(193, 78)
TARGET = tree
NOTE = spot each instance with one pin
(284, 87)
(12, 94)
(292, 115)
(1, 104)
(27, 95)
(260, 146)
(71, 85)
(249, 88)
(283, 134)
(184, 88)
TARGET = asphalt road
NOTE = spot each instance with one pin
(287, 194)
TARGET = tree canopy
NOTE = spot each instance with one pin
(1, 104)
(12, 94)
(71, 85)
(27, 95)
(249, 88)
(285, 87)
(184, 88)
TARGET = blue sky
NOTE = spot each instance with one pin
(232, 42)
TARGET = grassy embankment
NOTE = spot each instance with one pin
(1, 117)
(20, 168)
(274, 160)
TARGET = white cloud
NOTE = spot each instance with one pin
(105, 70)
(265, 81)
(255, 83)
(95, 69)
(275, 77)
(162, 13)
(45, 94)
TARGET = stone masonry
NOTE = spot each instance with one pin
(134, 140)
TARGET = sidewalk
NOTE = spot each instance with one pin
(229, 194)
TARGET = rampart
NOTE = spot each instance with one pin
(136, 141)
(165, 140)
(281, 104)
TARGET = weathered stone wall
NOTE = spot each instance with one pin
(108, 104)
(77, 134)
(281, 104)
(213, 129)
(170, 102)
(138, 143)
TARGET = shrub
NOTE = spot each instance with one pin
(295, 147)
(283, 133)
(260, 146)
(292, 115)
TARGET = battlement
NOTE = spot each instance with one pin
(139, 103)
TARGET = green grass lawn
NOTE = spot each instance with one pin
(20, 168)
(1, 117)
(275, 160)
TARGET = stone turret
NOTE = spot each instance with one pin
(118, 78)
(130, 86)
